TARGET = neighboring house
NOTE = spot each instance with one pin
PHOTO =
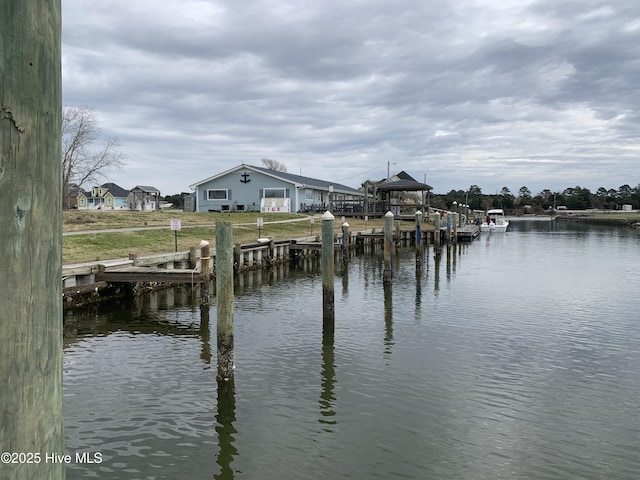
(107, 196)
(142, 197)
(251, 188)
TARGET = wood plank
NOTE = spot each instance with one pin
(145, 274)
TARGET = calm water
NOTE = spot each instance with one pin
(515, 357)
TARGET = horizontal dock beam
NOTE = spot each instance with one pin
(149, 274)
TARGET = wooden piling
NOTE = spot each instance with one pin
(224, 297)
(454, 229)
(388, 247)
(418, 237)
(436, 231)
(31, 246)
(205, 269)
(328, 305)
(346, 238)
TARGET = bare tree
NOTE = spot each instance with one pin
(274, 165)
(86, 155)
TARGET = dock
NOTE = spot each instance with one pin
(467, 233)
(86, 282)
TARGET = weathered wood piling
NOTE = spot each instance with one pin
(205, 270)
(224, 298)
(31, 247)
(419, 237)
(328, 253)
(388, 247)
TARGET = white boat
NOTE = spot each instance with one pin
(497, 221)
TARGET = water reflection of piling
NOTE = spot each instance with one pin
(327, 394)
(224, 294)
(436, 273)
(205, 334)
(421, 264)
(388, 317)
(225, 429)
(328, 253)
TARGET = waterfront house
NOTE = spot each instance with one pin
(107, 196)
(251, 188)
(143, 197)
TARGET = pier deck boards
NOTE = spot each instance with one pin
(468, 232)
(131, 274)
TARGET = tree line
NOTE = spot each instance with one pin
(524, 201)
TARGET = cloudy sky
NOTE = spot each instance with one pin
(494, 93)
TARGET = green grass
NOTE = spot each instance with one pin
(195, 227)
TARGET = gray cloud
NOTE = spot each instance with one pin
(541, 93)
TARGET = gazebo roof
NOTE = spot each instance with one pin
(403, 186)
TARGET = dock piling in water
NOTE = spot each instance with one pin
(328, 260)
(418, 236)
(224, 294)
(205, 269)
(388, 247)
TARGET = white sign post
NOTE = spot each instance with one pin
(260, 223)
(175, 226)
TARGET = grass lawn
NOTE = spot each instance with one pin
(195, 227)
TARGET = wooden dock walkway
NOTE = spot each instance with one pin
(131, 274)
(90, 279)
(467, 233)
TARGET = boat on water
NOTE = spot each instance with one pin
(495, 221)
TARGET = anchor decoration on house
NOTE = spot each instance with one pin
(245, 178)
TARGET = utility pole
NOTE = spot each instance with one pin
(31, 246)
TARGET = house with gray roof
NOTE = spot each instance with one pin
(143, 197)
(108, 196)
(259, 189)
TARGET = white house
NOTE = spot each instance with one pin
(251, 188)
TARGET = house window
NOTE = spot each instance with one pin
(109, 201)
(274, 193)
(308, 195)
(220, 194)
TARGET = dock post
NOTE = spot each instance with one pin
(436, 231)
(31, 247)
(454, 234)
(328, 253)
(224, 294)
(193, 258)
(205, 257)
(345, 238)
(418, 237)
(388, 247)
(205, 269)
(239, 260)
